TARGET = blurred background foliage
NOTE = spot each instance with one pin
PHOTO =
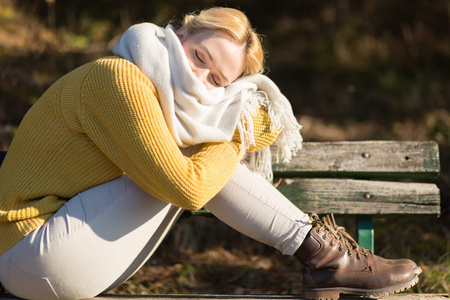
(353, 70)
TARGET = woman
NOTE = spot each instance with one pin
(94, 177)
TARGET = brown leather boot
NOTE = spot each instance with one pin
(401, 261)
(333, 263)
(342, 233)
(417, 270)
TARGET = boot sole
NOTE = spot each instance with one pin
(417, 270)
(332, 293)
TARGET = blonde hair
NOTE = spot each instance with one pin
(236, 24)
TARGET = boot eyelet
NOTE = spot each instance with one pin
(340, 249)
(317, 230)
(358, 257)
(324, 237)
(331, 244)
(349, 253)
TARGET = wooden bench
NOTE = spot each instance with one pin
(365, 179)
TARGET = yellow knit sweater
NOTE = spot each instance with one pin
(94, 124)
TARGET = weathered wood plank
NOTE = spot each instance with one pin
(348, 196)
(363, 159)
(366, 159)
(402, 296)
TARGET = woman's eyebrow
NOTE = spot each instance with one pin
(212, 60)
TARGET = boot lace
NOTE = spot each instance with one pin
(338, 235)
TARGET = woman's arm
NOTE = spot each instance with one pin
(120, 113)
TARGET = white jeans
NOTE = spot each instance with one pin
(102, 236)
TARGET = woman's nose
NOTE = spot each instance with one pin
(202, 74)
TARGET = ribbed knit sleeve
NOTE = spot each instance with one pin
(96, 123)
(119, 111)
(262, 132)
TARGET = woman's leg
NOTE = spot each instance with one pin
(96, 241)
(254, 207)
(103, 235)
(332, 264)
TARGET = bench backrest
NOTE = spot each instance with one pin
(363, 178)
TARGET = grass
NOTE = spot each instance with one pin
(437, 276)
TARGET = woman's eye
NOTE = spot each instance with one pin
(198, 57)
(216, 83)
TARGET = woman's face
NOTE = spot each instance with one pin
(214, 57)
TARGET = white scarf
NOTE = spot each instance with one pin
(196, 115)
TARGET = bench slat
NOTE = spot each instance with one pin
(348, 196)
(404, 296)
(366, 159)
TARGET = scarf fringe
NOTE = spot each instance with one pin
(288, 142)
